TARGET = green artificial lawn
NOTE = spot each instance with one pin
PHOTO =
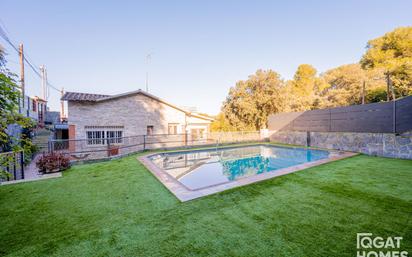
(118, 208)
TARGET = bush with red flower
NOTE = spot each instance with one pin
(53, 162)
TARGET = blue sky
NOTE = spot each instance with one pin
(200, 48)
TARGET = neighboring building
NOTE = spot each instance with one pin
(31, 107)
(35, 108)
(95, 117)
(52, 117)
(58, 125)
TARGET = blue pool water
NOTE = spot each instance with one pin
(204, 168)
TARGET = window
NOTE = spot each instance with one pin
(98, 137)
(119, 137)
(34, 106)
(95, 137)
(114, 137)
(149, 130)
(201, 133)
(102, 135)
(172, 129)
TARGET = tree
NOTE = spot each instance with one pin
(9, 103)
(392, 53)
(374, 95)
(303, 90)
(304, 80)
(221, 124)
(345, 85)
(251, 101)
(2, 58)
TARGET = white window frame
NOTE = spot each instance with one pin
(95, 137)
(103, 135)
(114, 136)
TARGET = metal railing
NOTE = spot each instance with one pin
(103, 148)
(12, 166)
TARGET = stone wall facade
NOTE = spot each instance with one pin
(134, 113)
(376, 144)
(128, 116)
(288, 137)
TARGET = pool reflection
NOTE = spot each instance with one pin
(199, 169)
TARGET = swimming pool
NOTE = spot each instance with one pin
(200, 169)
(194, 173)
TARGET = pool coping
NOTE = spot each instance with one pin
(184, 194)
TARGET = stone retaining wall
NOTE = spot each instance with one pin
(377, 144)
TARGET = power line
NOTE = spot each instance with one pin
(6, 38)
(4, 35)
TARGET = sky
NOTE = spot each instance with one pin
(199, 49)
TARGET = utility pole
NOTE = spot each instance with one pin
(391, 90)
(388, 86)
(21, 54)
(363, 91)
(393, 93)
(62, 115)
(148, 57)
(43, 74)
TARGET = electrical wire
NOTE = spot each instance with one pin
(4, 35)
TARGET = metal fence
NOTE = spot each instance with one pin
(12, 166)
(95, 149)
(387, 117)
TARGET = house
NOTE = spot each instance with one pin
(34, 108)
(94, 117)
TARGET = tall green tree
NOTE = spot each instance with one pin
(251, 101)
(303, 89)
(9, 115)
(221, 124)
(304, 80)
(345, 86)
(392, 53)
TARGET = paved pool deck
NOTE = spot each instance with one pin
(184, 194)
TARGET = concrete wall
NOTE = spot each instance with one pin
(379, 144)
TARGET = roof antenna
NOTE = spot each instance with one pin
(148, 58)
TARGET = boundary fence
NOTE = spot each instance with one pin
(12, 164)
(105, 148)
(387, 117)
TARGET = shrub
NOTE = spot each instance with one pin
(53, 162)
